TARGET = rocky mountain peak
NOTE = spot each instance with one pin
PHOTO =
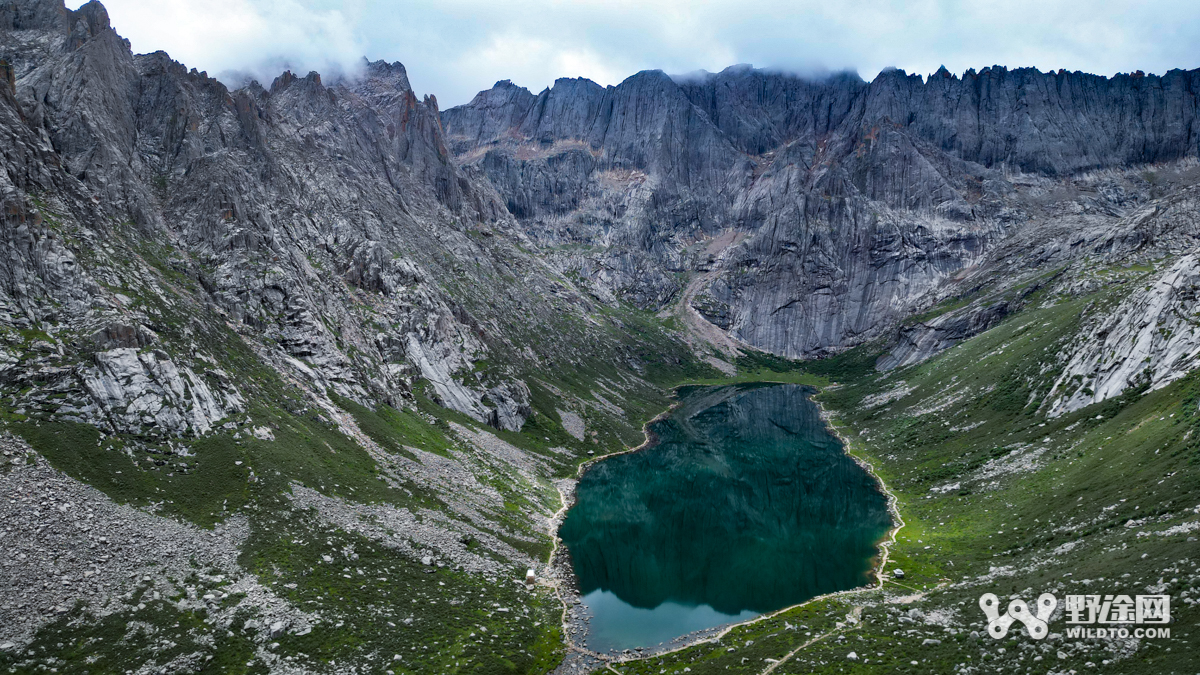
(739, 149)
(393, 73)
(94, 16)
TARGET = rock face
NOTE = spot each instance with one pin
(857, 199)
(917, 343)
(320, 219)
(1056, 123)
(1148, 342)
(361, 241)
(136, 389)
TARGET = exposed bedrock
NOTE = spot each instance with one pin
(860, 200)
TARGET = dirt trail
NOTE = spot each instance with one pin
(856, 613)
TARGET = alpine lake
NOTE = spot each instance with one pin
(743, 502)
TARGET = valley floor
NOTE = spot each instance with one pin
(313, 564)
(996, 497)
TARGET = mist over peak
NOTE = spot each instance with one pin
(458, 49)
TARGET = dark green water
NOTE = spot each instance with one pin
(744, 503)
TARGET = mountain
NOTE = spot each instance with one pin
(822, 212)
(299, 377)
(223, 306)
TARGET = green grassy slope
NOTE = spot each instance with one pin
(997, 498)
(206, 480)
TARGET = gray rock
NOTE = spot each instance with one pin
(857, 200)
(1150, 340)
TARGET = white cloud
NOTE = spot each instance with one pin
(453, 48)
(235, 38)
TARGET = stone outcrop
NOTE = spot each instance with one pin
(134, 389)
(917, 343)
(1149, 341)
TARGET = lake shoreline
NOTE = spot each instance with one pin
(714, 634)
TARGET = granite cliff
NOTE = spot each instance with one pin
(853, 203)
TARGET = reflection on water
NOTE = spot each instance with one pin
(744, 504)
(624, 625)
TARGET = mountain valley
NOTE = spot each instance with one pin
(301, 377)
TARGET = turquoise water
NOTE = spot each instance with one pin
(743, 503)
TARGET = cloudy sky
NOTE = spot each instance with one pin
(453, 48)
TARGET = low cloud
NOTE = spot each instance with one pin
(236, 40)
(453, 48)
